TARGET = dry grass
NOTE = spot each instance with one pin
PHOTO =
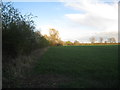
(65, 67)
(44, 81)
(15, 71)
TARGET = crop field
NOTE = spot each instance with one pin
(79, 67)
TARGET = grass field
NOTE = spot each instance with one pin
(80, 66)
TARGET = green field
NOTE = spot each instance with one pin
(79, 66)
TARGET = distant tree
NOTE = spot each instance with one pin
(92, 39)
(76, 42)
(101, 39)
(60, 43)
(111, 40)
(41, 41)
(54, 37)
(47, 37)
(105, 41)
(69, 43)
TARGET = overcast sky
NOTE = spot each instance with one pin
(75, 19)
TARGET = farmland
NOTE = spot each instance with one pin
(78, 67)
(49, 48)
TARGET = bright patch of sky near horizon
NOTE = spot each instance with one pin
(74, 20)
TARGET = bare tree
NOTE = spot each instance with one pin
(92, 39)
(111, 40)
(76, 42)
(114, 40)
(105, 41)
(101, 40)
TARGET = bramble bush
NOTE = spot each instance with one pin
(18, 35)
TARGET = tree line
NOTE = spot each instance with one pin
(18, 33)
(55, 40)
(20, 38)
(101, 40)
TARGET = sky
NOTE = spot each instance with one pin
(74, 19)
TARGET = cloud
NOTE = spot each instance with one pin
(102, 16)
(96, 18)
(31, 0)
